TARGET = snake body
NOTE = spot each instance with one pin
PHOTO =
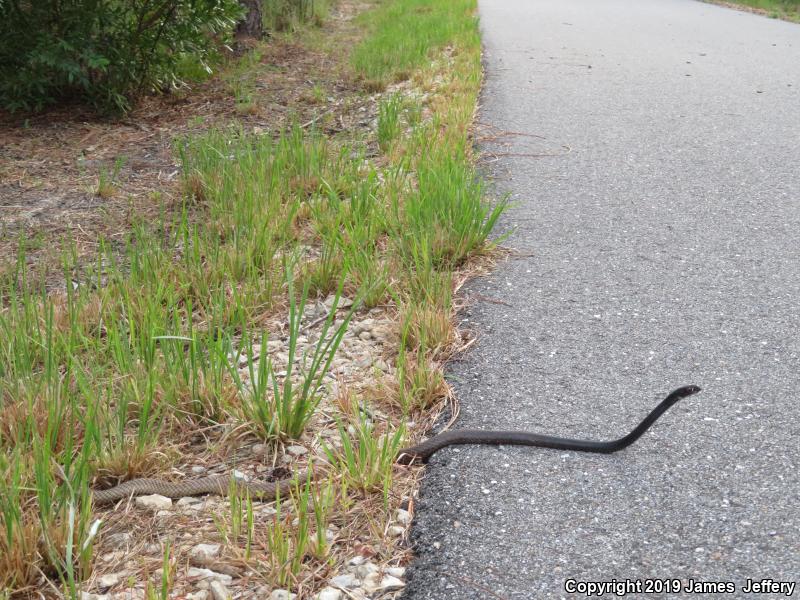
(215, 484)
(427, 448)
(220, 484)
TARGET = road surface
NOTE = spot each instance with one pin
(654, 170)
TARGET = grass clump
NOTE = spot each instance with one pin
(366, 458)
(286, 411)
(389, 121)
(448, 214)
(404, 32)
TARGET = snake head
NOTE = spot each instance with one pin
(687, 390)
(681, 393)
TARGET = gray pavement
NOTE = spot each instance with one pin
(659, 246)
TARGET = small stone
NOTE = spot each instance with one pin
(268, 511)
(386, 583)
(119, 540)
(329, 593)
(134, 594)
(296, 450)
(403, 516)
(199, 573)
(389, 583)
(112, 556)
(206, 550)
(356, 560)
(260, 449)
(365, 570)
(189, 502)
(88, 596)
(348, 580)
(282, 595)
(219, 591)
(106, 582)
(396, 571)
(365, 335)
(198, 469)
(162, 514)
(396, 530)
(154, 502)
(199, 595)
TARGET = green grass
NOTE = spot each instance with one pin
(99, 383)
(779, 9)
(278, 409)
(389, 121)
(405, 32)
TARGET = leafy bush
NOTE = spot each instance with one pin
(106, 52)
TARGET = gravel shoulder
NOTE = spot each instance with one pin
(657, 247)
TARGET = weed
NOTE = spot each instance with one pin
(389, 121)
(367, 460)
(277, 410)
(240, 521)
(448, 214)
(166, 577)
(107, 181)
(420, 379)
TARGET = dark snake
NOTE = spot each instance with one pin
(221, 484)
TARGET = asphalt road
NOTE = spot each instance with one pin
(659, 245)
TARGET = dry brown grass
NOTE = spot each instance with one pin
(19, 556)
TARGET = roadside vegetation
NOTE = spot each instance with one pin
(105, 53)
(777, 9)
(232, 326)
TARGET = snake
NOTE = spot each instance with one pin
(264, 490)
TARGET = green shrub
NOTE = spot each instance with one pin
(106, 52)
